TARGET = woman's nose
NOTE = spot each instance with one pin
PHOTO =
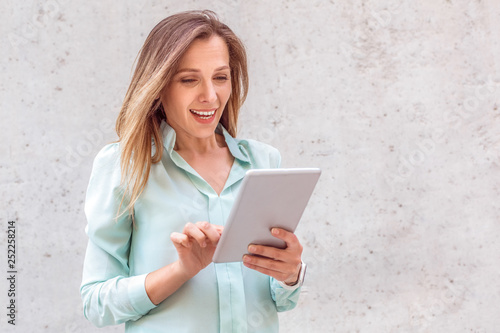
(208, 93)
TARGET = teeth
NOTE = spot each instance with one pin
(206, 114)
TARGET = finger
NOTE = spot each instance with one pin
(193, 231)
(180, 239)
(219, 228)
(283, 271)
(285, 235)
(291, 258)
(291, 252)
(268, 252)
(278, 276)
(210, 231)
(266, 266)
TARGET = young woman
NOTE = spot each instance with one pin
(158, 198)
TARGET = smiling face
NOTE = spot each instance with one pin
(197, 95)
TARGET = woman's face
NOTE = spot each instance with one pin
(195, 98)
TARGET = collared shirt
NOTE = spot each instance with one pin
(228, 298)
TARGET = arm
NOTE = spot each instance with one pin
(109, 294)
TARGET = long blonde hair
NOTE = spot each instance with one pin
(138, 124)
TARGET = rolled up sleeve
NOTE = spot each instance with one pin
(285, 298)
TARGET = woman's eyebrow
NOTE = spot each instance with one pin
(194, 70)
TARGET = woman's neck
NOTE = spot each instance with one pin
(199, 146)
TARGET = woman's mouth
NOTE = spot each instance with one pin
(204, 114)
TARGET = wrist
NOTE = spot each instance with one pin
(299, 281)
(294, 280)
(165, 281)
(181, 271)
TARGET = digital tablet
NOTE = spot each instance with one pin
(267, 198)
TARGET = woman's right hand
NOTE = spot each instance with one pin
(196, 246)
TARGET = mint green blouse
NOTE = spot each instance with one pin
(220, 298)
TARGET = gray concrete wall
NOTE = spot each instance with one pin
(397, 102)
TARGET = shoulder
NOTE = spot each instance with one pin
(109, 154)
(107, 159)
(259, 153)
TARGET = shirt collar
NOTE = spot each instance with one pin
(169, 137)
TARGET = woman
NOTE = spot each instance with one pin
(177, 161)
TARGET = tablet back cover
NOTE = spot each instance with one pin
(267, 198)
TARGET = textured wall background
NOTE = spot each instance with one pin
(397, 101)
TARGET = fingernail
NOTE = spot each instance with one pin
(251, 248)
(275, 231)
(247, 258)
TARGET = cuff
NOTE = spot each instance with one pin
(287, 287)
(138, 296)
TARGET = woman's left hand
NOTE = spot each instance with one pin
(282, 264)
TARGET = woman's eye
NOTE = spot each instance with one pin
(221, 78)
(188, 80)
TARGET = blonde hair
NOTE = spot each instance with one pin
(138, 124)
